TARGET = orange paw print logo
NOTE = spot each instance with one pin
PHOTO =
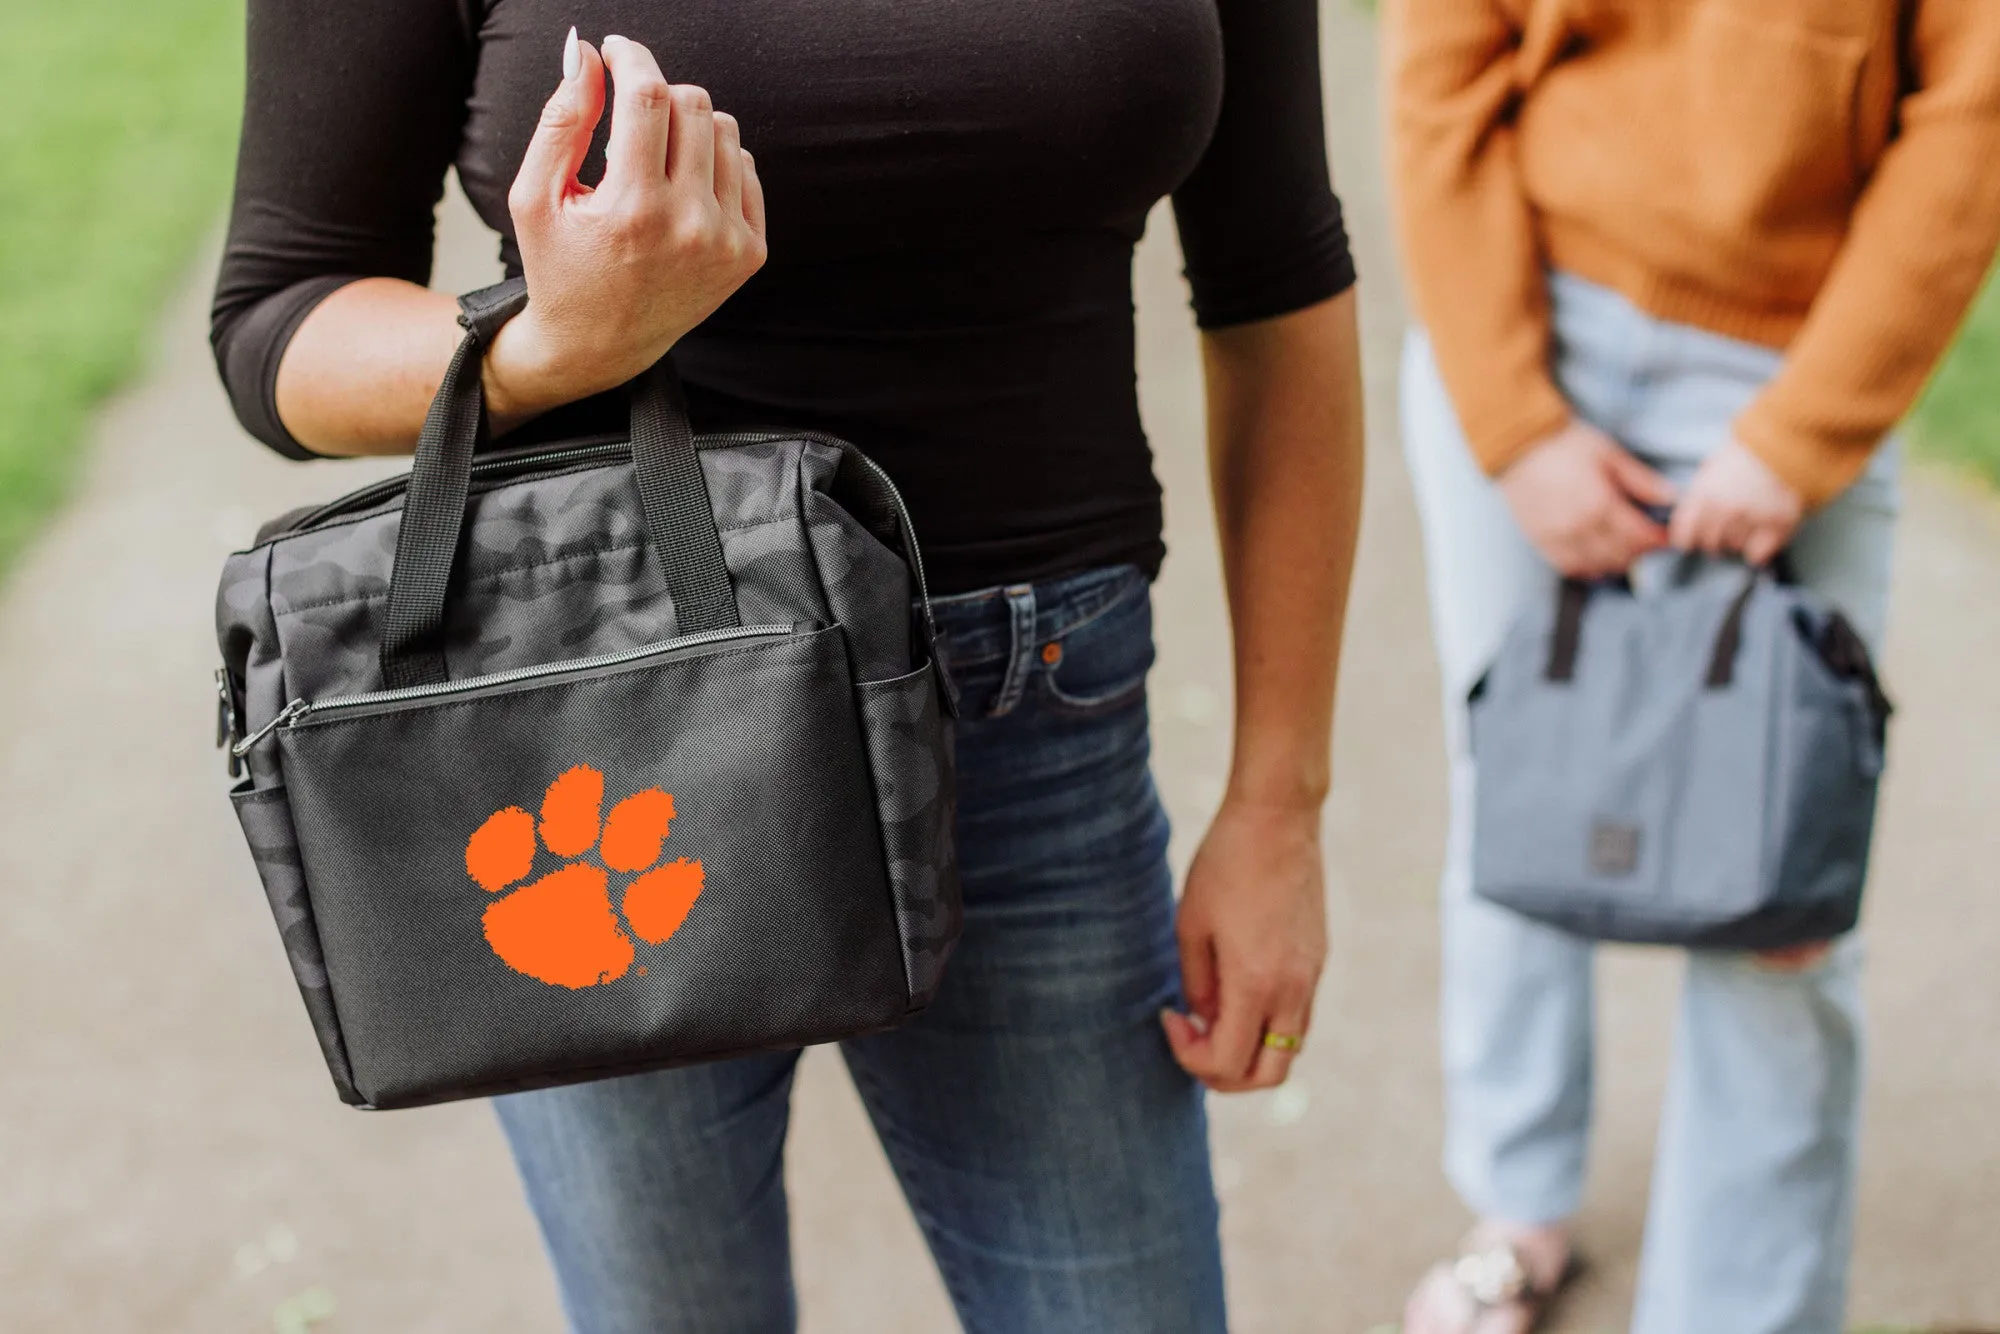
(562, 928)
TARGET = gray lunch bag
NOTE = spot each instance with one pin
(575, 760)
(1696, 766)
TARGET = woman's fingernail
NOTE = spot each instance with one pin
(572, 58)
(612, 37)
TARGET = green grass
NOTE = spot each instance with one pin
(117, 129)
(1958, 420)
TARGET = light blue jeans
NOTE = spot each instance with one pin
(1054, 1154)
(1750, 1219)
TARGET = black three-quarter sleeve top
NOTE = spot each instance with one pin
(953, 189)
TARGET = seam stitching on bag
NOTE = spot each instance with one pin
(487, 577)
(376, 512)
(490, 576)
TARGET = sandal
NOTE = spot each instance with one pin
(1489, 1275)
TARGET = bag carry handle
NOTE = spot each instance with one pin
(673, 498)
(1722, 662)
(1573, 595)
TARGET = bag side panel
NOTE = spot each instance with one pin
(267, 826)
(1822, 826)
(1728, 777)
(914, 770)
(868, 583)
(252, 651)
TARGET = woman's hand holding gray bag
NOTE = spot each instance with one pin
(1696, 766)
(582, 759)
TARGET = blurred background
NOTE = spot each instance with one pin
(172, 1157)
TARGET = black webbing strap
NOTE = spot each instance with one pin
(672, 493)
(674, 496)
(412, 649)
(1571, 599)
(482, 313)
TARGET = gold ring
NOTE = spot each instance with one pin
(1283, 1041)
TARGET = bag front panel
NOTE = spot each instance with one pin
(1725, 772)
(493, 914)
(1628, 802)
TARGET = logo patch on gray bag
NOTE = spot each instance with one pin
(1614, 848)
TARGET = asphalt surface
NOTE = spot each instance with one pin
(175, 1159)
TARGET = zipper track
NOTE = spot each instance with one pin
(611, 447)
(300, 712)
(363, 497)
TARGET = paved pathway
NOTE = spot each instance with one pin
(175, 1160)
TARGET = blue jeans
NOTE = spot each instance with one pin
(1750, 1218)
(1054, 1155)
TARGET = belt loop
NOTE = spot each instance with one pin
(1020, 652)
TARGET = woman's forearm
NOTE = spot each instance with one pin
(1285, 461)
(360, 371)
(617, 272)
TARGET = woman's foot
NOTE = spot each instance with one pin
(1499, 1284)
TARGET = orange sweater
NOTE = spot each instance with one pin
(1817, 175)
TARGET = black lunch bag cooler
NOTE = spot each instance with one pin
(579, 760)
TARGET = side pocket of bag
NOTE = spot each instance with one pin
(266, 817)
(1826, 744)
(911, 763)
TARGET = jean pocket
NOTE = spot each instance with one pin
(1100, 664)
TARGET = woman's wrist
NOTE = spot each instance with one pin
(1282, 789)
(524, 376)
(1280, 768)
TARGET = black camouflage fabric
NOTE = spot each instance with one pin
(554, 565)
(909, 750)
(267, 825)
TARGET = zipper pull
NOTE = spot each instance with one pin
(225, 710)
(226, 721)
(285, 715)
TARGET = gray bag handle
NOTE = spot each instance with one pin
(1573, 596)
(1722, 662)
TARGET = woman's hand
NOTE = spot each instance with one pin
(1737, 506)
(617, 274)
(1577, 496)
(1286, 464)
(1252, 931)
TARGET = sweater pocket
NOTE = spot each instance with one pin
(1771, 123)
